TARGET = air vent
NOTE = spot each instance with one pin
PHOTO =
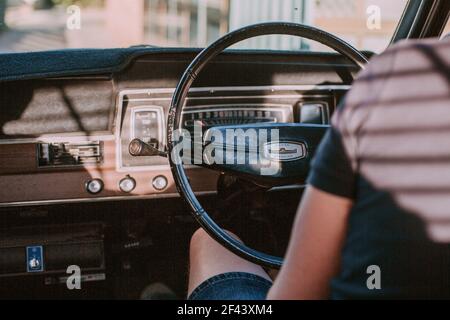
(69, 154)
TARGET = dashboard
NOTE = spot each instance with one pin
(66, 140)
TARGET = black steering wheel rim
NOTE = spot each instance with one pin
(178, 102)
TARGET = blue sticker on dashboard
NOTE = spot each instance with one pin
(35, 259)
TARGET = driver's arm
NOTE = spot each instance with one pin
(313, 256)
(319, 231)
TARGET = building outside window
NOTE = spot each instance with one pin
(30, 25)
(185, 22)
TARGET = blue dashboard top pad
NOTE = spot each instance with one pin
(76, 62)
(70, 62)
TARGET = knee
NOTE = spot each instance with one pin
(200, 242)
(200, 236)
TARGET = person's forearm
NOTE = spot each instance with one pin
(313, 255)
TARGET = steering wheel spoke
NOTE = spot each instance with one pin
(268, 154)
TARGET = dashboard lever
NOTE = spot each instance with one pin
(138, 148)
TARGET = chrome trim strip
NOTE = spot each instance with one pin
(288, 187)
(272, 96)
(100, 199)
(246, 88)
(51, 273)
(228, 106)
(64, 137)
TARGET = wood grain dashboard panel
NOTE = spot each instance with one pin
(24, 182)
(21, 180)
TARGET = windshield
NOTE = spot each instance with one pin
(33, 25)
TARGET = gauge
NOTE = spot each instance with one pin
(94, 186)
(127, 184)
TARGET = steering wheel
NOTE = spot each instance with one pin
(290, 154)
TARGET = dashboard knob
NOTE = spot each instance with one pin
(159, 182)
(127, 184)
(94, 186)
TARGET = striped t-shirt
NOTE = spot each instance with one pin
(389, 150)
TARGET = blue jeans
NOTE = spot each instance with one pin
(232, 286)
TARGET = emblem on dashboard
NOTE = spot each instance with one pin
(285, 151)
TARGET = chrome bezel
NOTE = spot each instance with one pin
(157, 177)
(127, 178)
(86, 186)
